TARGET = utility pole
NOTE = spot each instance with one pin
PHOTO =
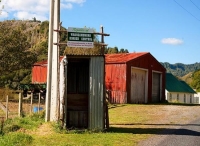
(53, 63)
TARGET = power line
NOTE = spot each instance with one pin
(195, 4)
(187, 10)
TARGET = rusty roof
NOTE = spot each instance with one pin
(123, 57)
(44, 62)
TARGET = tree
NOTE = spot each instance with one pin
(122, 50)
(14, 50)
(196, 80)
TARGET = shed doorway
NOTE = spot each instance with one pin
(156, 84)
(138, 83)
(77, 92)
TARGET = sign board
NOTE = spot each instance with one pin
(80, 37)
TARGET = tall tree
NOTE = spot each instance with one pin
(14, 50)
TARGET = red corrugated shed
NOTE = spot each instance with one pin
(39, 72)
(127, 75)
(122, 58)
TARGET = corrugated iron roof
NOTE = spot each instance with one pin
(175, 85)
(123, 57)
(44, 62)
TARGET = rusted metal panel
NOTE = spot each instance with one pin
(96, 93)
(115, 81)
(123, 57)
(39, 71)
(117, 96)
(39, 74)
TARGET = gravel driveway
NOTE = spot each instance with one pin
(172, 117)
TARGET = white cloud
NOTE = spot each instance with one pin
(27, 9)
(172, 41)
(3, 14)
(80, 2)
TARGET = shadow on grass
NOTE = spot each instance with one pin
(170, 103)
(158, 131)
(156, 124)
(116, 105)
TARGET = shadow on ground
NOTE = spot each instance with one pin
(158, 131)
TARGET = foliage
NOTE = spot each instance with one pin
(13, 79)
(110, 50)
(17, 139)
(196, 80)
(12, 129)
(14, 50)
(180, 69)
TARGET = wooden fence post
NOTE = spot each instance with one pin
(20, 105)
(31, 106)
(7, 107)
(39, 102)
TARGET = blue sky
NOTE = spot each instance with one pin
(168, 29)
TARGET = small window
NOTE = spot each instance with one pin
(177, 97)
(184, 98)
(190, 99)
(170, 96)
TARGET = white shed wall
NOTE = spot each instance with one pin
(196, 98)
(179, 97)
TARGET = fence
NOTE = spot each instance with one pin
(10, 108)
(116, 97)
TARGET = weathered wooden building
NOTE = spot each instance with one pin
(134, 78)
(84, 90)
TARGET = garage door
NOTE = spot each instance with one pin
(138, 78)
(156, 87)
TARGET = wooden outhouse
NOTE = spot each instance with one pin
(134, 78)
(83, 90)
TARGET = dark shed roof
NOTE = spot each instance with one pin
(175, 85)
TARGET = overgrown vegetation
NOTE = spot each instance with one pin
(196, 80)
(12, 131)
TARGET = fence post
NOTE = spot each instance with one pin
(39, 102)
(6, 107)
(31, 106)
(20, 105)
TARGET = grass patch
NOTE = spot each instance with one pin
(15, 139)
(129, 124)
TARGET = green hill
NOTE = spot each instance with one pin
(180, 69)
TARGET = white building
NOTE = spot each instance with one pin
(178, 91)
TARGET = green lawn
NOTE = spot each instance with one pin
(127, 128)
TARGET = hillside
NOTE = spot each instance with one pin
(22, 43)
(180, 69)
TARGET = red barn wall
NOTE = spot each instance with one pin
(118, 78)
(39, 74)
(151, 64)
(115, 82)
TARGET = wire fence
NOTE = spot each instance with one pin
(21, 106)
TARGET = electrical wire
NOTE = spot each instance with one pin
(187, 10)
(195, 4)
